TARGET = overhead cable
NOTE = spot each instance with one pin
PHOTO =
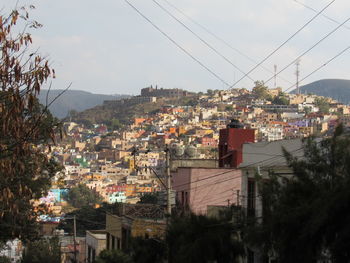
(320, 67)
(315, 11)
(178, 45)
(285, 42)
(222, 40)
(309, 49)
(201, 39)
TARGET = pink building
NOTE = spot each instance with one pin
(198, 188)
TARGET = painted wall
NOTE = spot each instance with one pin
(198, 188)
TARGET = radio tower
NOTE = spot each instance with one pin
(297, 72)
(275, 69)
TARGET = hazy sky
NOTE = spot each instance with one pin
(106, 47)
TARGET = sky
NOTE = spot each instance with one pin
(106, 47)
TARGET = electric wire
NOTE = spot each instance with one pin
(177, 44)
(285, 42)
(309, 49)
(201, 39)
(320, 67)
(315, 11)
(205, 178)
(222, 40)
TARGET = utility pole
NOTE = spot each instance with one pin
(134, 152)
(75, 239)
(167, 153)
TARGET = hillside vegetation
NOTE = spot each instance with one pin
(125, 113)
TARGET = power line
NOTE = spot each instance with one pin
(312, 47)
(221, 39)
(315, 11)
(176, 44)
(270, 159)
(205, 178)
(213, 183)
(201, 39)
(285, 42)
(323, 65)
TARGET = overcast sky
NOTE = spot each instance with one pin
(106, 47)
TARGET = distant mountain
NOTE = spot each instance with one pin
(77, 100)
(338, 89)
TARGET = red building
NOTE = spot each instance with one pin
(230, 144)
(115, 188)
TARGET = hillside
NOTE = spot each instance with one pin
(125, 113)
(76, 100)
(338, 89)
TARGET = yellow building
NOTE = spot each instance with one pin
(139, 220)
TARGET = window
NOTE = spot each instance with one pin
(108, 241)
(113, 242)
(118, 243)
(251, 197)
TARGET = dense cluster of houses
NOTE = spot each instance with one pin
(213, 160)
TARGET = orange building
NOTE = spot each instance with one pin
(130, 190)
(172, 130)
(181, 130)
(138, 121)
(144, 189)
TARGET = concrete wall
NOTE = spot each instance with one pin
(95, 240)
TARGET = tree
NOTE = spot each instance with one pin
(43, 250)
(197, 238)
(115, 124)
(149, 198)
(229, 108)
(305, 217)
(87, 218)
(4, 259)
(260, 90)
(149, 250)
(26, 128)
(81, 196)
(280, 100)
(113, 256)
(307, 110)
(322, 104)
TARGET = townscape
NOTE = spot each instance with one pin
(126, 164)
(258, 174)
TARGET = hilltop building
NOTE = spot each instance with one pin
(155, 92)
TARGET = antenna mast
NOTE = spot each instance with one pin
(275, 75)
(297, 73)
